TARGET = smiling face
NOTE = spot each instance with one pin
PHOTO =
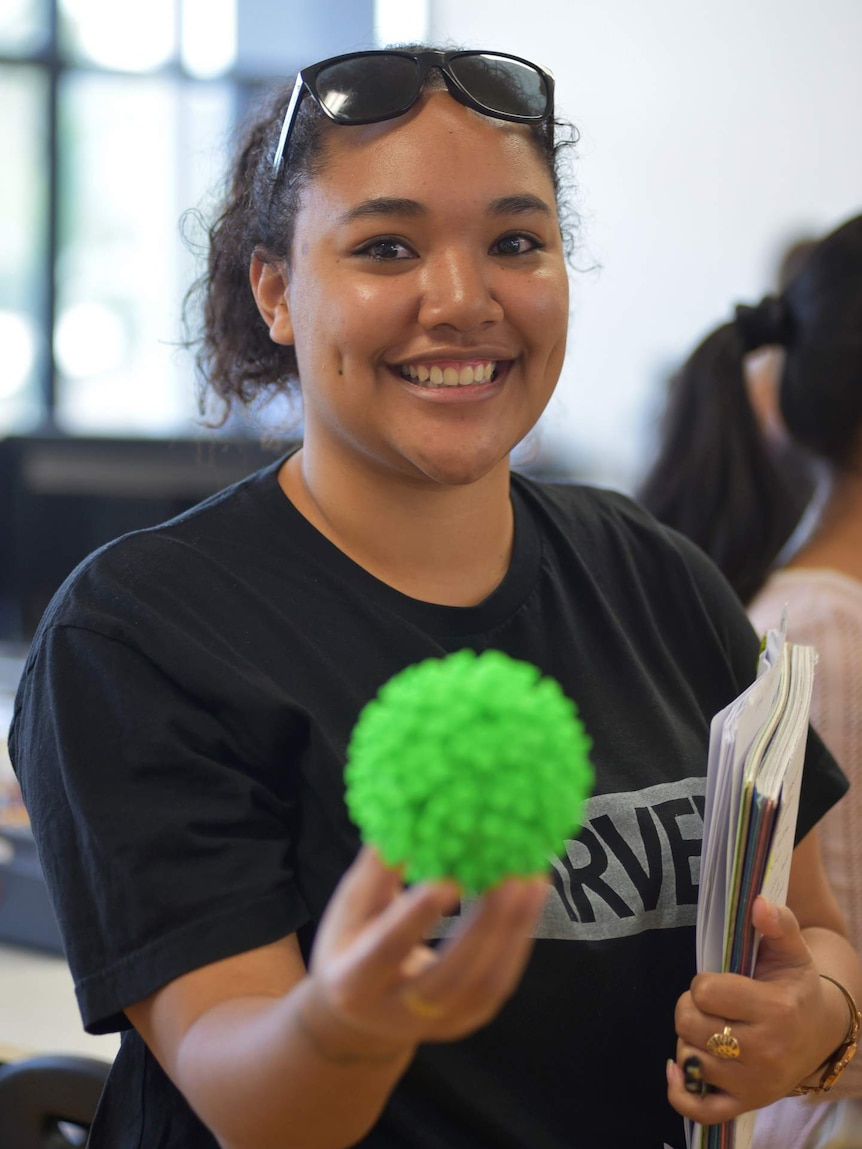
(427, 295)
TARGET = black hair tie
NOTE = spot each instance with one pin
(767, 323)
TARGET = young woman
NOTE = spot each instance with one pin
(718, 478)
(181, 727)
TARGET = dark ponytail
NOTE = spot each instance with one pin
(714, 478)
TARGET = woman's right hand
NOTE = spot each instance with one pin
(372, 971)
(258, 1044)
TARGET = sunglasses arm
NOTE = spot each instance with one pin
(287, 125)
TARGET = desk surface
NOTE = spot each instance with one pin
(38, 1011)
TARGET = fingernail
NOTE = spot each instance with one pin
(772, 913)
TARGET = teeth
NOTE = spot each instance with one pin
(450, 376)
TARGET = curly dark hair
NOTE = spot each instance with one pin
(235, 358)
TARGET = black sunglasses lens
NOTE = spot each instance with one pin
(367, 87)
(501, 84)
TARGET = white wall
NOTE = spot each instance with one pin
(711, 135)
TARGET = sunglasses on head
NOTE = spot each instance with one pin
(369, 87)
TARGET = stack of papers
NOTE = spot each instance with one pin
(754, 774)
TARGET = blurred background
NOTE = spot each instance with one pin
(711, 137)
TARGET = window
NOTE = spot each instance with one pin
(114, 118)
(23, 226)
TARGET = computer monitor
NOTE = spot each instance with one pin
(61, 498)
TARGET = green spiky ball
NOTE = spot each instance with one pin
(472, 767)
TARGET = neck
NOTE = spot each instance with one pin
(837, 540)
(444, 544)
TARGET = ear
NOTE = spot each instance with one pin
(270, 289)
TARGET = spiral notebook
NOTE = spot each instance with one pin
(754, 774)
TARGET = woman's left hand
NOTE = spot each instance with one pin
(776, 1020)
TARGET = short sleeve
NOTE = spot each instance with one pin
(162, 849)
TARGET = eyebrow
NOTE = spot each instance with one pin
(519, 205)
(383, 205)
(394, 205)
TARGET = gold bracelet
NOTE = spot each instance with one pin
(836, 1062)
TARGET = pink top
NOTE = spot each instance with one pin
(825, 611)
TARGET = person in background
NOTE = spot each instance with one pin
(391, 245)
(724, 467)
(718, 478)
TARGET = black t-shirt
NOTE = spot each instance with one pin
(180, 736)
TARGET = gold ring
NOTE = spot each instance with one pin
(724, 1045)
(419, 1006)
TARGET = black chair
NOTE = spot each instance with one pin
(49, 1102)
